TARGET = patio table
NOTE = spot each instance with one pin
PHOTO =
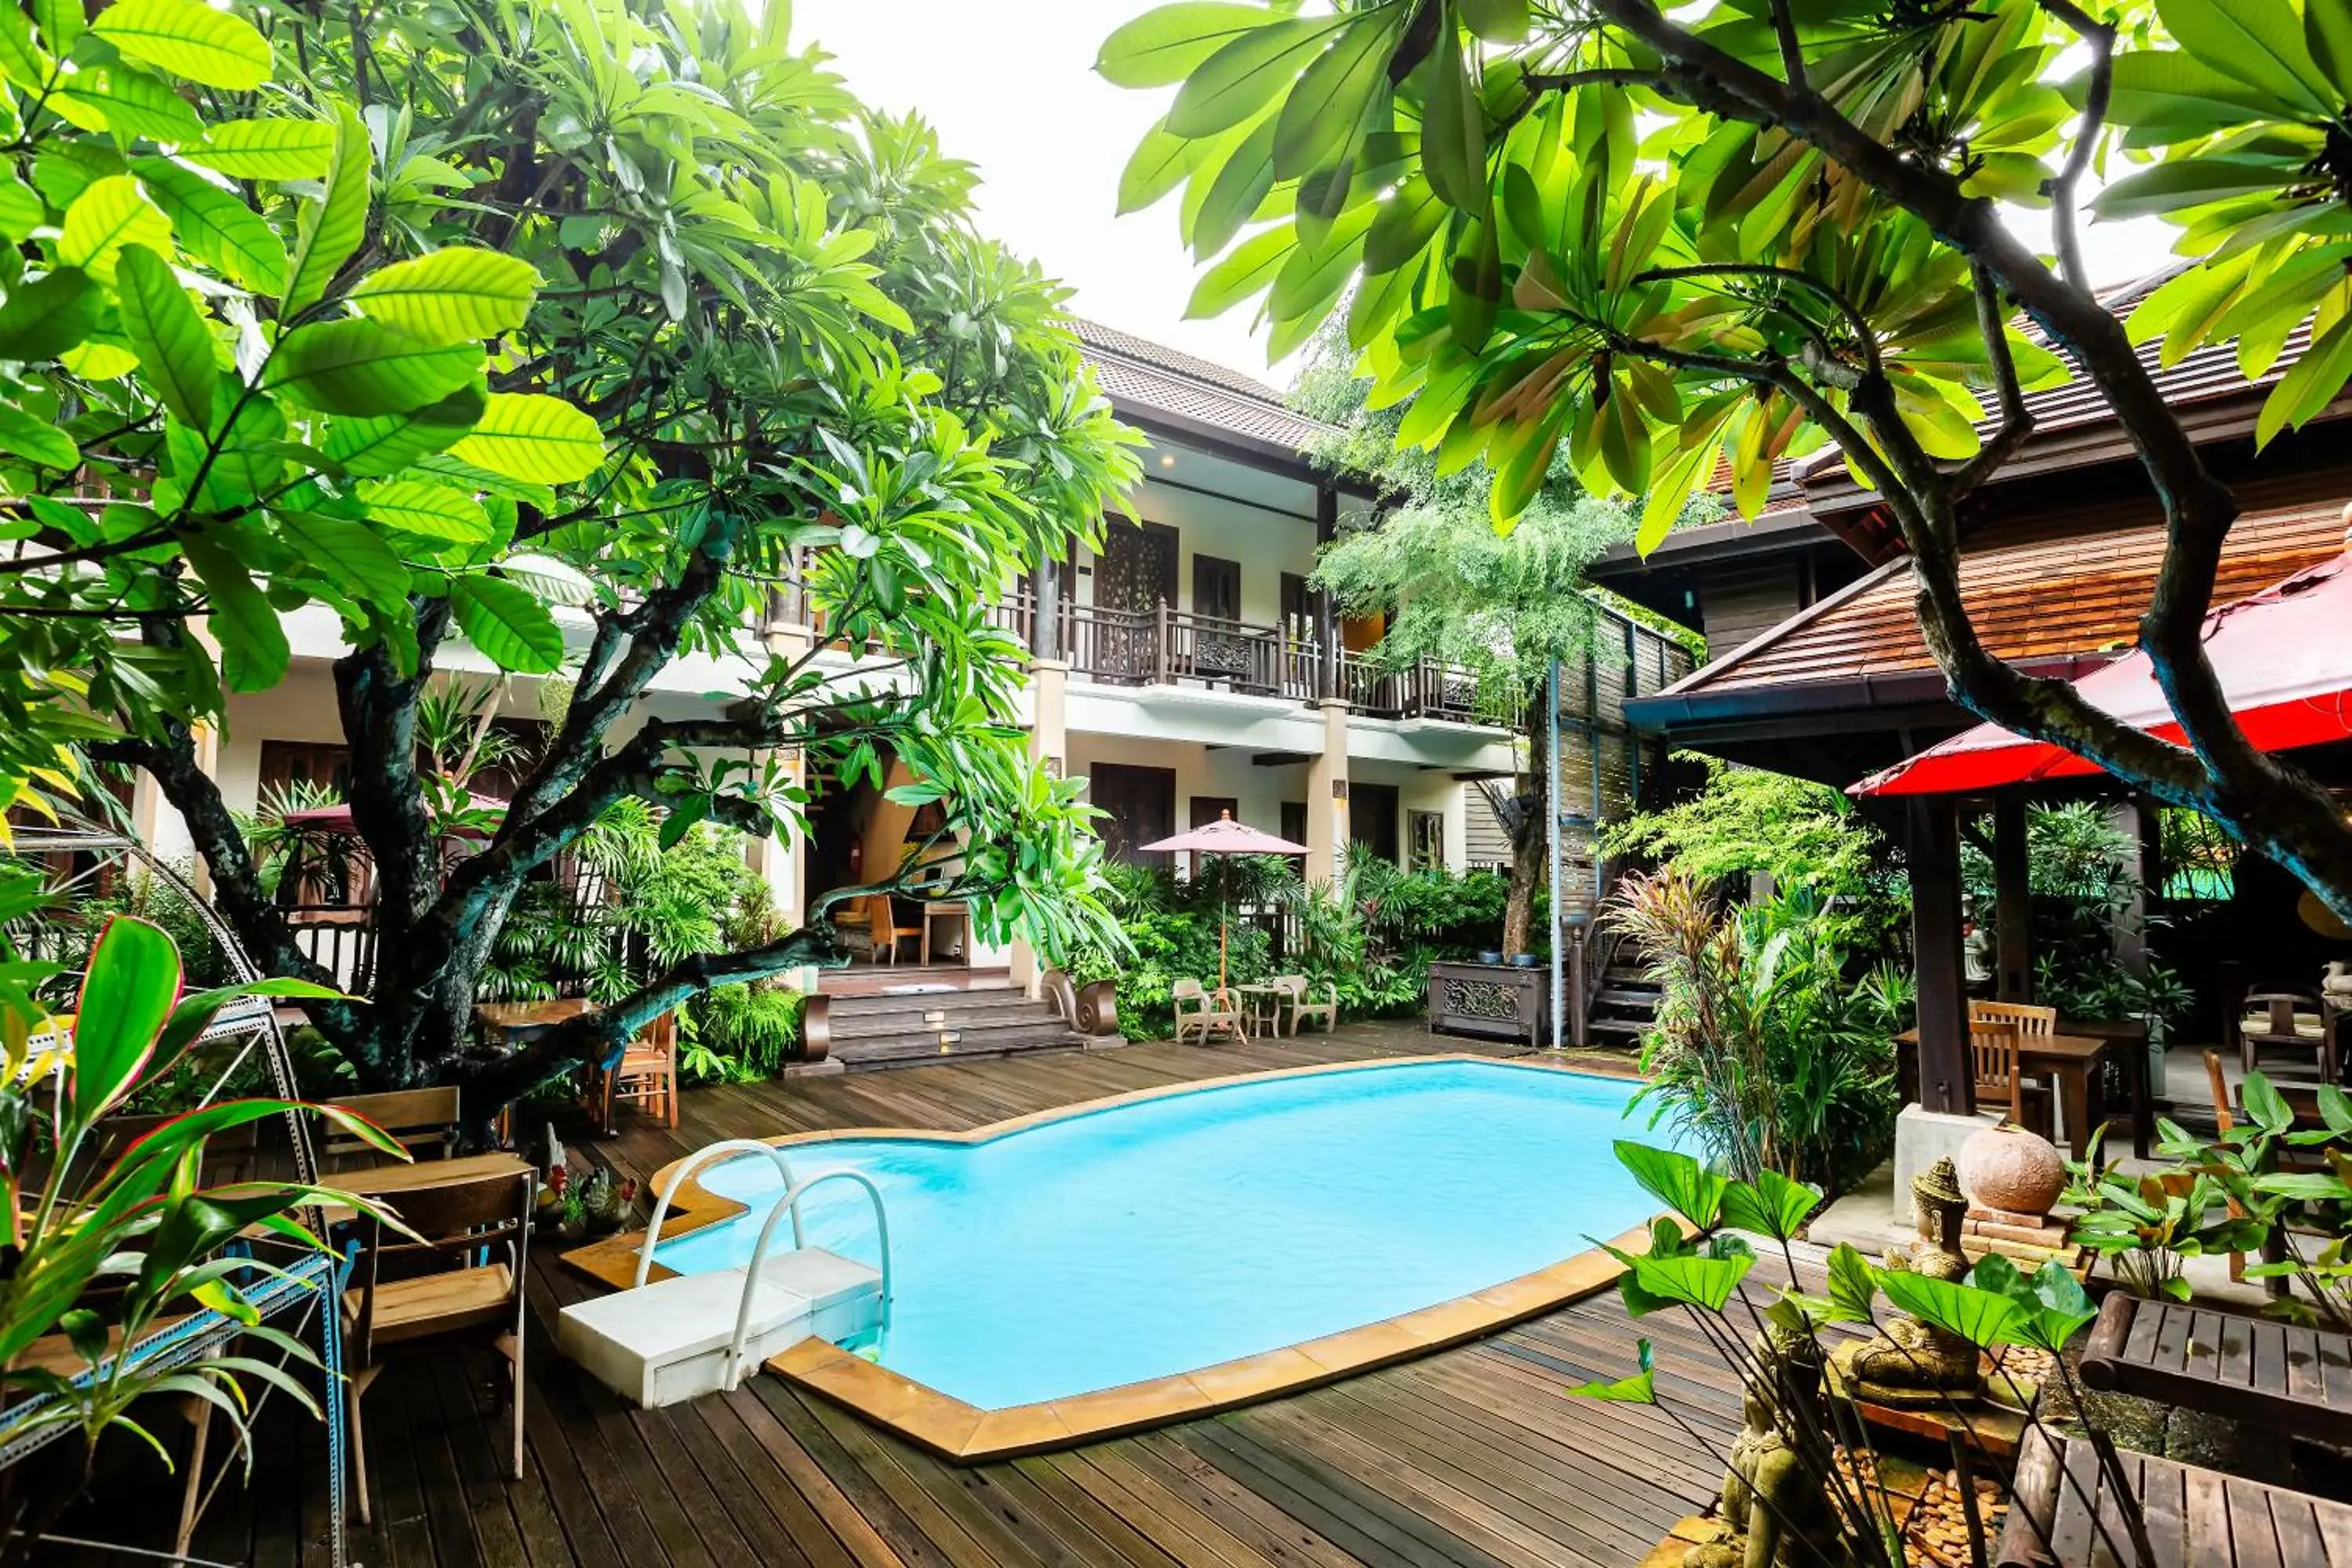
(1260, 991)
(2278, 1375)
(2072, 1057)
(513, 1024)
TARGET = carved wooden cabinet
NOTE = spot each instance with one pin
(1494, 1000)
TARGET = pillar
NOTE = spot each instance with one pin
(1327, 796)
(2013, 903)
(1947, 1076)
(1049, 737)
(1326, 621)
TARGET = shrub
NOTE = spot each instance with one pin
(1763, 1051)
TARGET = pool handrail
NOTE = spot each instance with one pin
(694, 1162)
(789, 1203)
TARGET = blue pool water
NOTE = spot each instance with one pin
(1180, 1232)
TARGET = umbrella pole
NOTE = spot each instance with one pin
(1225, 913)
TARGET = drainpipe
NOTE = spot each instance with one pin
(1552, 816)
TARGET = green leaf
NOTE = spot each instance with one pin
(1640, 1388)
(511, 628)
(1772, 1205)
(36, 440)
(433, 511)
(1245, 74)
(189, 39)
(332, 229)
(267, 149)
(2256, 41)
(2336, 1110)
(2304, 1186)
(451, 296)
(2265, 1105)
(1168, 43)
(193, 1013)
(2187, 96)
(348, 553)
(1675, 1180)
(1234, 190)
(21, 211)
(2187, 182)
(1325, 113)
(127, 101)
(22, 62)
(1407, 221)
(215, 226)
(2309, 385)
(389, 443)
(1159, 164)
(1853, 1284)
(254, 651)
(109, 215)
(357, 366)
(532, 436)
(1249, 269)
(1983, 1318)
(1453, 130)
(2327, 34)
(1496, 21)
(175, 350)
(1689, 1279)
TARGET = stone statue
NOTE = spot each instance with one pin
(1774, 1510)
(1916, 1364)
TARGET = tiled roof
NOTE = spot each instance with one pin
(1145, 379)
(2033, 599)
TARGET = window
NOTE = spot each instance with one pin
(1216, 589)
(1425, 834)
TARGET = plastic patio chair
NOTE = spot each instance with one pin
(1297, 993)
(1220, 1009)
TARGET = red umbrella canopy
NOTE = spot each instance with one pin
(1226, 837)
(2284, 658)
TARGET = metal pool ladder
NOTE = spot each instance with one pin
(786, 1203)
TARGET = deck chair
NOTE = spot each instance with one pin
(648, 1075)
(1298, 1006)
(1200, 1010)
(2299, 1020)
(425, 1121)
(1992, 1050)
(464, 1276)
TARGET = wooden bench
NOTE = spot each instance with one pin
(2296, 1381)
(2196, 1517)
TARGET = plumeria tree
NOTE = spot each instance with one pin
(569, 331)
(1665, 238)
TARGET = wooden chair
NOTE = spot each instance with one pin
(2301, 1020)
(2016, 1017)
(1298, 1007)
(425, 1121)
(1992, 1048)
(1219, 1009)
(888, 933)
(477, 1233)
(648, 1075)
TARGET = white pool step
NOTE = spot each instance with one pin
(668, 1340)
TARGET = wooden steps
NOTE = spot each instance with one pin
(896, 979)
(921, 1028)
(1626, 1007)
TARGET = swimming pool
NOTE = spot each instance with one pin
(1148, 1238)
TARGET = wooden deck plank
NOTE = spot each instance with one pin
(1474, 1455)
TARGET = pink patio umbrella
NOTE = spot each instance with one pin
(2282, 657)
(1228, 837)
(338, 818)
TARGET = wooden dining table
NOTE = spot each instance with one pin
(2073, 1058)
(388, 1182)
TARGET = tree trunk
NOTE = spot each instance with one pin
(1530, 848)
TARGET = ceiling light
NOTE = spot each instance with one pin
(1166, 459)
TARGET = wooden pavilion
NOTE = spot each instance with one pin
(2061, 551)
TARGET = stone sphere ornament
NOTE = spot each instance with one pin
(2011, 1169)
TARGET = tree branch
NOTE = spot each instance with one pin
(2065, 213)
(2016, 419)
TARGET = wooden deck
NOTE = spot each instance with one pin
(1472, 1456)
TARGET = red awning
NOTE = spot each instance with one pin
(337, 820)
(2284, 658)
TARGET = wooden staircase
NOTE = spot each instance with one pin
(1625, 1005)
(922, 1028)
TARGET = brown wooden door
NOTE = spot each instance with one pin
(1141, 807)
(1135, 576)
(1372, 819)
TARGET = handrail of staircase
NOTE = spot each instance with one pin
(791, 1203)
(694, 1162)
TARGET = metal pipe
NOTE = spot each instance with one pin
(1551, 808)
(791, 1203)
(695, 1162)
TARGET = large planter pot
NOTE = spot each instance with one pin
(2011, 1169)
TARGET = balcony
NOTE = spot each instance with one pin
(1178, 648)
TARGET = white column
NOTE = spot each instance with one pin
(1049, 682)
(1327, 796)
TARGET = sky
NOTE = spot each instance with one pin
(1010, 85)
